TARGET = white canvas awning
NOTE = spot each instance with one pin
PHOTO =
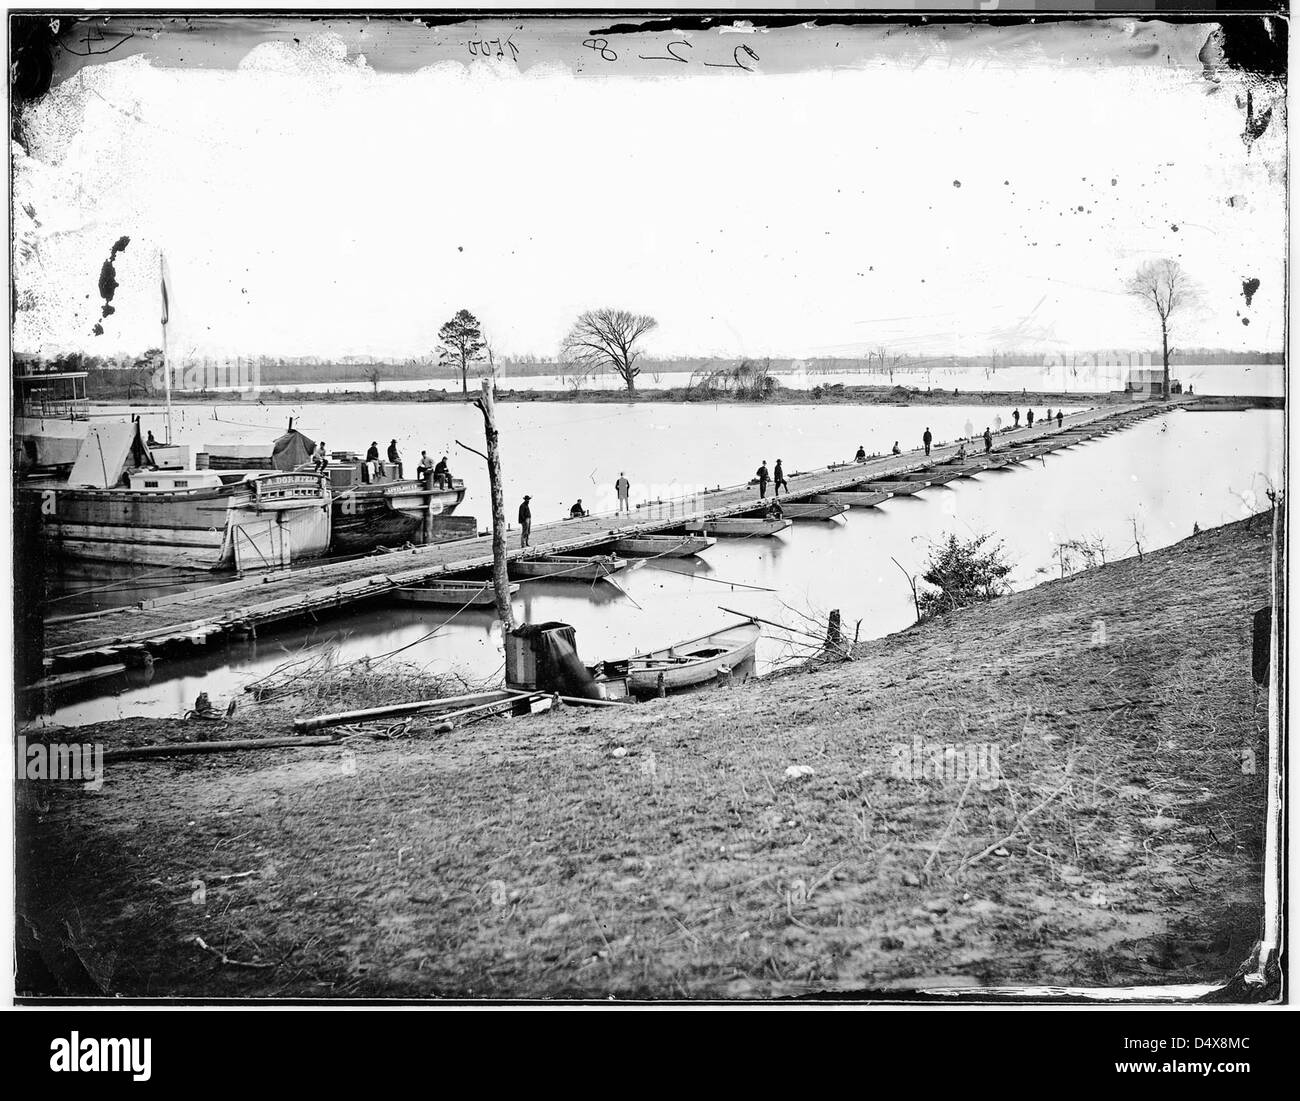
(109, 451)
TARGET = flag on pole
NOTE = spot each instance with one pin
(166, 309)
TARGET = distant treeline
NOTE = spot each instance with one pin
(124, 376)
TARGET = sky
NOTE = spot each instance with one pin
(320, 192)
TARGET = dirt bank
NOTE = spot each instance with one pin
(665, 850)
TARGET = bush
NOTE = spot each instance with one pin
(963, 573)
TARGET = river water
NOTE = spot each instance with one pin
(1150, 484)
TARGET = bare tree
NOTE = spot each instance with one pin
(373, 374)
(888, 361)
(1163, 284)
(607, 337)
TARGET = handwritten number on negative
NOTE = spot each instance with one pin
(735, 62)
(601, 45)
(669, 55)
(482, 47)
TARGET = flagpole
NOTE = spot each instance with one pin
(167, 373)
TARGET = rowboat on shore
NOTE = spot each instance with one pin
(567, 568)
(849, 499)
(662, 546)
(455, 594)
(695, 661)
(738, 525)
(815, 509)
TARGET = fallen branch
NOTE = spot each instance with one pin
(951, 822)
(228, 962)
(396, 710)
(171, 749)
(1021, 821)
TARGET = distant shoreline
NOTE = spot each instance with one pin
(846, 395)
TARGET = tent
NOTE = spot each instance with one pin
(292, 450)
(109, 451)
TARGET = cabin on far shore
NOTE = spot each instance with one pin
(1145, 383)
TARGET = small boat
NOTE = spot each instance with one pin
(816, 509)
(738, 525)
(695, 661)
(1024, 454)
(848, 499)
(960, 468)
(975, 463)
(662, 546)
(933, 476)
(900, 487)
(455, 594)
(57, 681)
(567, 568)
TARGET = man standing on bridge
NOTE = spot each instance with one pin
(623, 488)
(1060, 417)
(762, 479)
(1029, 418)
(927, 439)
(1015, 418)
(988, 440)
(525, 521)
(778, 480)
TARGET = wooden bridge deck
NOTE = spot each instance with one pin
(199, 615)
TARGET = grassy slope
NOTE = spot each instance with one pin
(524, 858)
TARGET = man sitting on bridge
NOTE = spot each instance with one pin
(577, 511)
